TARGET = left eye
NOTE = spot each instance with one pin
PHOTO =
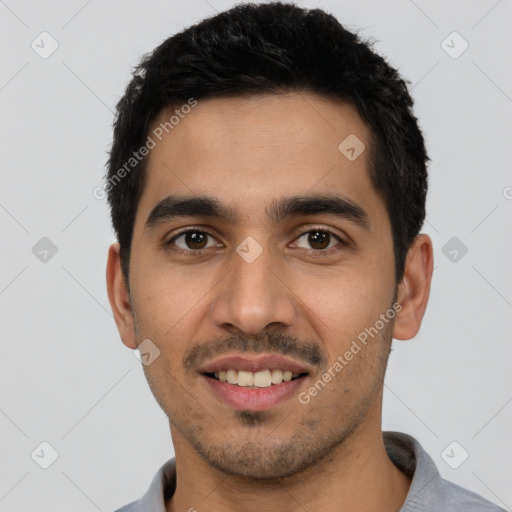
(318, 240)
(193, 240)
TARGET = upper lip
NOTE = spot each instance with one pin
(253, 364)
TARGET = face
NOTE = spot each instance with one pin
(282, 261)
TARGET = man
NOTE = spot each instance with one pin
(267, 184)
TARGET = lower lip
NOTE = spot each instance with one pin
(253, 399)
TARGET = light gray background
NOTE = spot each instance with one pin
(67, 379)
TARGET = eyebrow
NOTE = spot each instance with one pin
(173, 207)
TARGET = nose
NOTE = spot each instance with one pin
(253, 297)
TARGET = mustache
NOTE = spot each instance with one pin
(274, 343)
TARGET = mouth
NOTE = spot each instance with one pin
(255, 380)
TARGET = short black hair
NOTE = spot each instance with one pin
(255, 49)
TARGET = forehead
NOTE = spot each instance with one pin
(249, 150)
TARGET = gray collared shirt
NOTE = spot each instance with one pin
(428, 491)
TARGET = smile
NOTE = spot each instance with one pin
(259, 379)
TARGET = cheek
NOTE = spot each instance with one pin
(166, 300)
(169, 312)
(342, 304)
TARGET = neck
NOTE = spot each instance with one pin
(356, 475)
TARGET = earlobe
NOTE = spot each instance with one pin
(119, 297)
(414, 289)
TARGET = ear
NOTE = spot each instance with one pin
(120, 298)
(414, 289)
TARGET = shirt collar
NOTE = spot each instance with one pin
(409, 456)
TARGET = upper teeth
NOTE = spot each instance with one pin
(261, 379)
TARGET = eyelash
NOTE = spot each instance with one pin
(193, 252)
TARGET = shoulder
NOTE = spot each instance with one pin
(428, 490)
(161, 488)
(131, 507)
(456, 498)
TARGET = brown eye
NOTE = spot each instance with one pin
(193, 240)
(318, 240)
(196, 240)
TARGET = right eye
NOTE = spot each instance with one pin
(193, 240)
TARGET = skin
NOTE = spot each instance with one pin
(327, 454)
